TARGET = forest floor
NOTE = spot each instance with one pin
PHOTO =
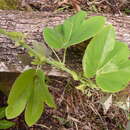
(77, 110)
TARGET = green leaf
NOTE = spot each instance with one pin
(2, 112)
(53, 38)
(77, 19)
(20, 93)
(41, 49)
(46, 95)
(115, 78)
(87, 29)
(39, 96)
(67, 28)
(35, 104)
(13, 35)
(73, 31)
(119, 57)
(4, 124)
(107, 60)
(99, 51)
(29, 92)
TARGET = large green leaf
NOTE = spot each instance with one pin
(39, 96)
(115, 74)
(74, 30)
(4, 124)
(99, 51)
(108, 61)
(20, 93)
(35, 104)
(119, 57)
(29, 92)
(114, 81)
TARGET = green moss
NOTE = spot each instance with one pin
(9, 4)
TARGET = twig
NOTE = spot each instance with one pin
(43, 126)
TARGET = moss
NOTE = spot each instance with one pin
(9, 4)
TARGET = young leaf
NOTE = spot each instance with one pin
(41, 49)
(20, 93)
(46, 95)
(73, 31)
(4, 124)
(35, 104)
(13, 35)
(98, 51)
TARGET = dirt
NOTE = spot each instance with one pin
(103, 6)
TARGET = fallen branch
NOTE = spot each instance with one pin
(32, 24)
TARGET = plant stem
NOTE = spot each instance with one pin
(57, 64)
(62, 67)
(91, 84)
(64, 55)
(56, 55)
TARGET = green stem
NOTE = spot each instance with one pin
(56, 55)
(64, 55)
(62, 67)
(91, 84)
(52, 62)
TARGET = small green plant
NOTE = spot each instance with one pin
(127, 10)
(105, 64)
(4, 124)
